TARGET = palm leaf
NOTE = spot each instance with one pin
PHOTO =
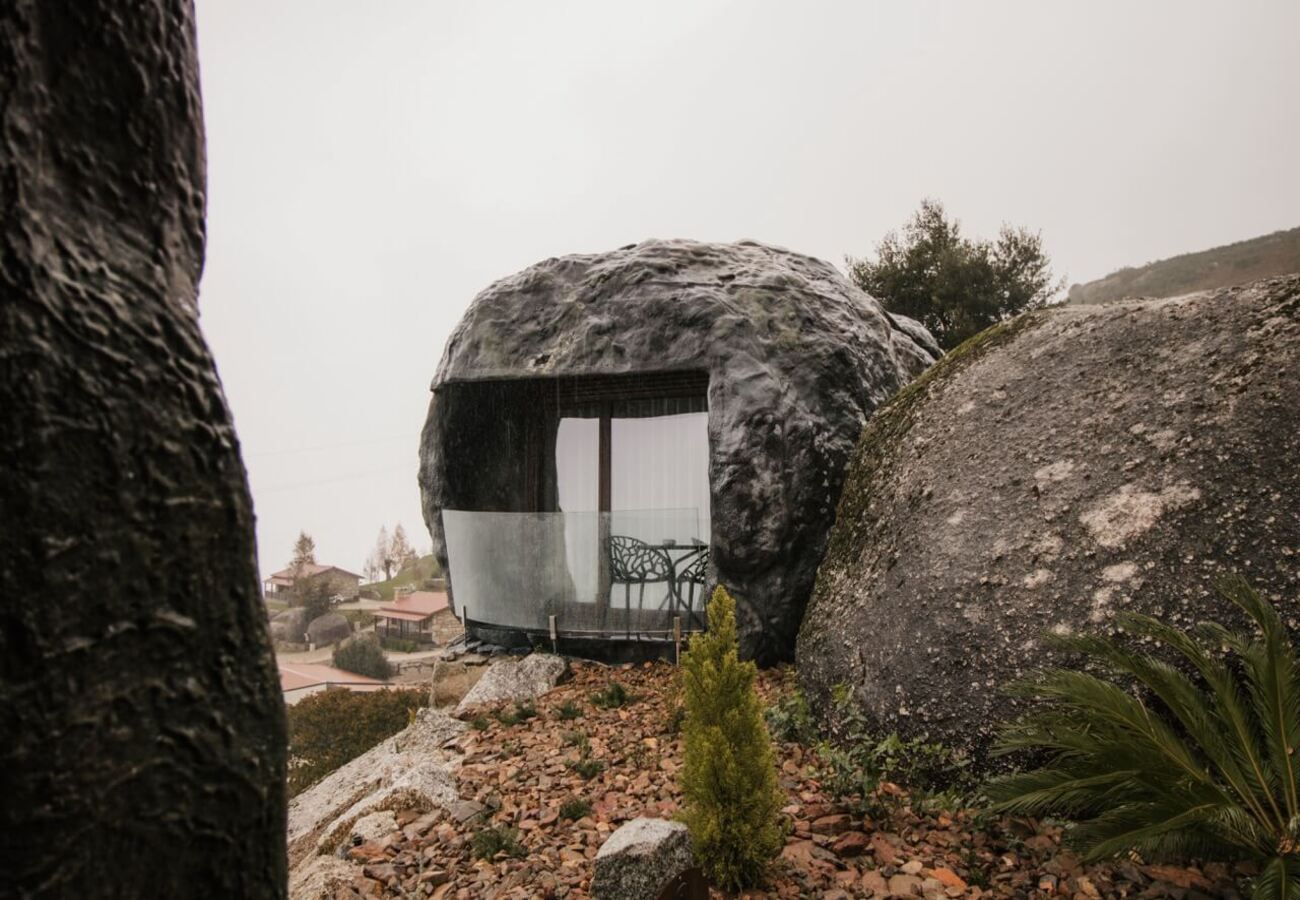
(1195, 761)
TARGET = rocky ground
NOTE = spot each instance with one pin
(560, 782)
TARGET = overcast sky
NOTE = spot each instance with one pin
(372, 166)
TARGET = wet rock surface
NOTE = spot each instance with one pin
(1081, 462)
(796, 357)
(143, 751)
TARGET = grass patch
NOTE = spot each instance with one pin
(414, 575)
(521, 713)
(569, 711)
(479, 723)
(587, 767)
(574, 809)
(489, 842)
(613, 696)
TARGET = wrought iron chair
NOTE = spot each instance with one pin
(695, 574)
(634, 562)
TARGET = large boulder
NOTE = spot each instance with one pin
(413, 769)
(516, 679)
(143, 723)
(290, 625)
(328, 629)
(639, 858)
(1075, 463)
(796, 358)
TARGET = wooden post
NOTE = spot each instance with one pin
(677, 638)
(554, 637)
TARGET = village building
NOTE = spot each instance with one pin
(345, 585)
(425, 617)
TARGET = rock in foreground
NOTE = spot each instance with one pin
(516, 679)
(1079, 462)
(640, 858)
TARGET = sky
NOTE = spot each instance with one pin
(372, 166)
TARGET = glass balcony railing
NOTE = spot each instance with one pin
(629, 575)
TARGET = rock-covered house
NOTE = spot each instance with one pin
(610, 435)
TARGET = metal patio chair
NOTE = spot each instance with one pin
(694, 575)
(634, 562)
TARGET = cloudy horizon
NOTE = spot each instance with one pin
(371, 169)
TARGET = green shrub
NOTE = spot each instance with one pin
(789, 719)
(331, 728)
(1171, 761)
(488, 842)
(364, 656)
(577, 739)
(859, 761)
(399, 645)
(574, 809)
(569, 711)
(612, 696)
(479, 723)
(731, 801)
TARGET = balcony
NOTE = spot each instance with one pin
(625, 575)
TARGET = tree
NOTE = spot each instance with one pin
(304, 554)
(1171, 761)
(954, 286)
(731, 801)
(400, 550)
(381, 557)
(313, 593)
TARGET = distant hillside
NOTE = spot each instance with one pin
(1262, 257)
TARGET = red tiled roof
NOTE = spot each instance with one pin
(294, 676)
(422, 603)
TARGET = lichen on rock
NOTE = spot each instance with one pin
(1048, 474)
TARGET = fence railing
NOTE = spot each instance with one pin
(622, 575)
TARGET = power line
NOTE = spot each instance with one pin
(371, 441)
(335, 480)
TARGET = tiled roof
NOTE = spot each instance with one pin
(421, 603)
(310, 570)
(295, 676)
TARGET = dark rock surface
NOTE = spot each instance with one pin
(1079, 462)
(797, 358)
(142, 723)
(328, 629)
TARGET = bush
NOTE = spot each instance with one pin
(860, 761)
(1171, 762)
(789, 719)
(488, 842)
(331, 728)
(731, 801)
(585, 766)
(399, 645)
(363, 656)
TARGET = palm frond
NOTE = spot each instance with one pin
(1195, 759)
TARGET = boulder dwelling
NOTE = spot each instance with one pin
(611, 434)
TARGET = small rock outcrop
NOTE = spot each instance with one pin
(795, 357)
(1075, 463)
(639, 858)
(516, 679)
(328, 629)
(410, 770)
